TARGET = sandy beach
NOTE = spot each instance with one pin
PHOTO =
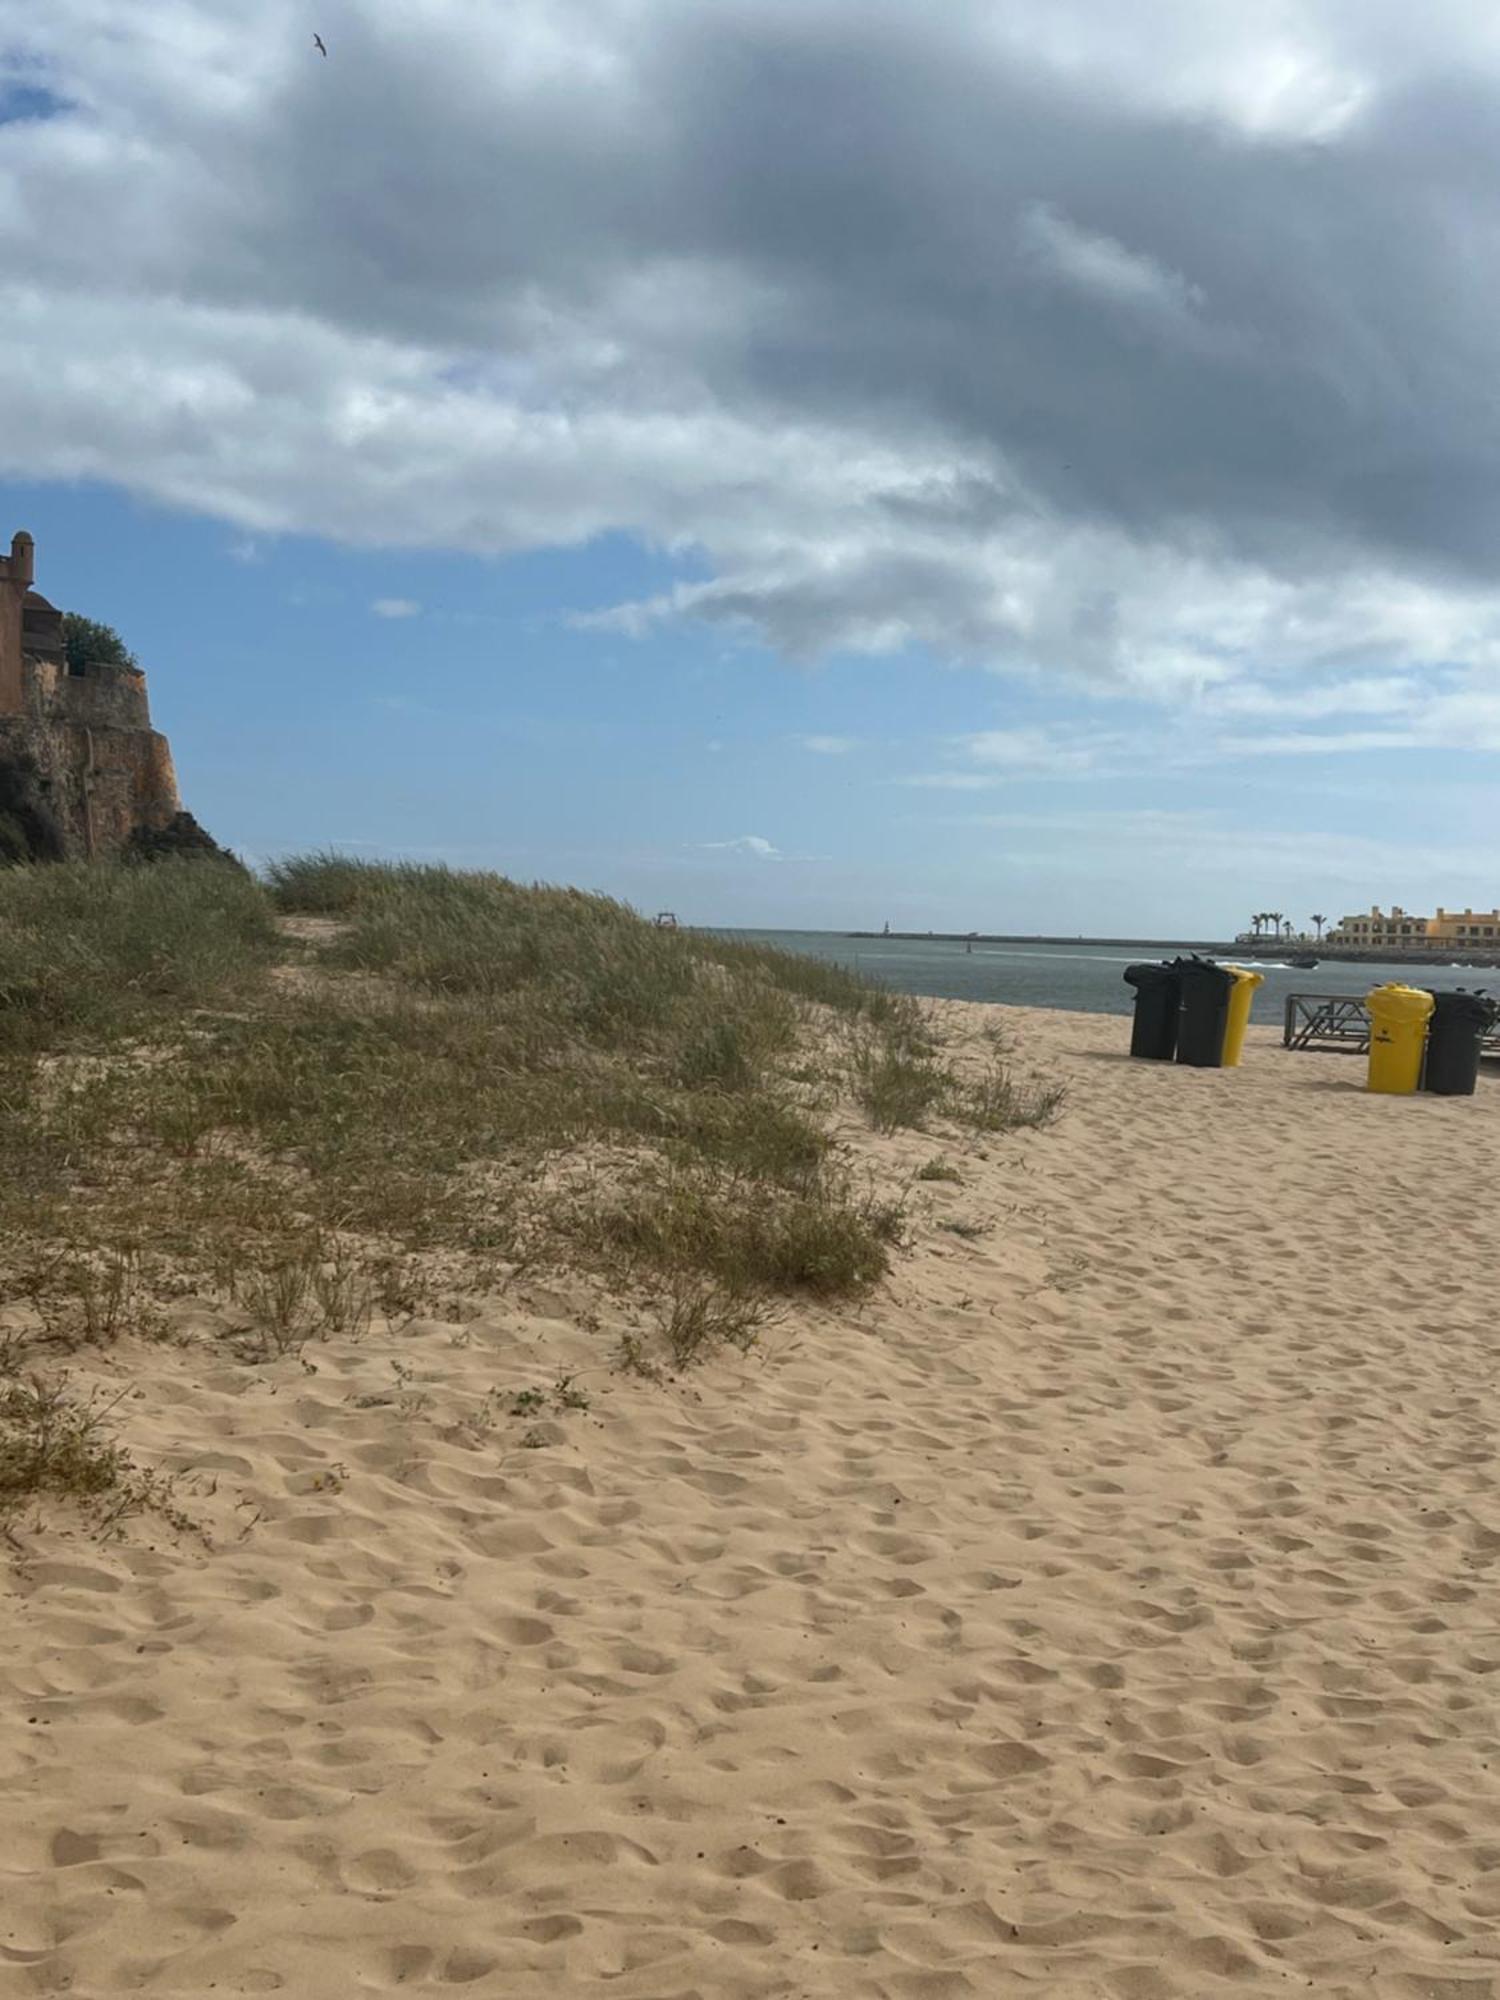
(1105, 1607)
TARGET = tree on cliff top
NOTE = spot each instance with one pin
(86, 639)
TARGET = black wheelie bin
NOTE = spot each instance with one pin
(1158, 997)
(1455, 1040)
(1203, 1017)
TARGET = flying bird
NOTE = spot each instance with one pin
(318, 45)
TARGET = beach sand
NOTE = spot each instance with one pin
(1109, 1606)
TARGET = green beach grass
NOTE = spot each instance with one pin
(450, 1080)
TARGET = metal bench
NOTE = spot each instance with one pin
(1340, 1021)
(1326, 1020)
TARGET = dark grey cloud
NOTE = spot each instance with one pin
(1162, 356)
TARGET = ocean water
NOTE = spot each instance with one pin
(1083, 978)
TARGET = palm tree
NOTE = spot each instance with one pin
(1319, 921)
(1257, 920)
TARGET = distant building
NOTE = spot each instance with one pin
(1467, 927)
(1372, 930)
(82, 772)
(1399, 930)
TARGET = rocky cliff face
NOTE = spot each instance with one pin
(85, 771)
(29, 827)
(83, 775)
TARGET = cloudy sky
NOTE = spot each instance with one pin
(791, 461)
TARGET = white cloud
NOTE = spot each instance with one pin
(1006, 754)
(1110, 270)
(748, 843)
(1290, 73)
(1026, 750)
(905, 393)
(829, 746)
(1329, 743)
(1465, 717)
(1398, 694)
(396, 607)
(951, 781)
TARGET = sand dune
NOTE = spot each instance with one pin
(1108, 1607)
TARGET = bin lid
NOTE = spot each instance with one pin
(1399, 1003)
(1150, 975)
(1245, 977)
(1205, 971)
(1477, 1008)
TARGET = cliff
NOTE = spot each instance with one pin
(83, 775)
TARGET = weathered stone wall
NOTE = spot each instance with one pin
(99, 787)
(15, 581)
(131, 785)
(102, 696)
(83, 775)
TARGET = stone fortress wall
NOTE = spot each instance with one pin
(82, 772)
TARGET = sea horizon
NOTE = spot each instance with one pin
(1077, 975)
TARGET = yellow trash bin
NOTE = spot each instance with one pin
(1398, 1036)
(1240, 1000)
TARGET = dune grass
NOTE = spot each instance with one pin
(897, 1086)
(901, 1084)
(178, 1122)
(467, 1079)
(94, 951)
(997, 1101)
(53, 1445)
(329, 884)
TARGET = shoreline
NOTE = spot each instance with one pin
(1331, 954)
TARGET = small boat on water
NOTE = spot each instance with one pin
(1304, 963)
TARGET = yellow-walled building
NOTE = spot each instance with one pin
(1466, 926)
(1399, 930)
